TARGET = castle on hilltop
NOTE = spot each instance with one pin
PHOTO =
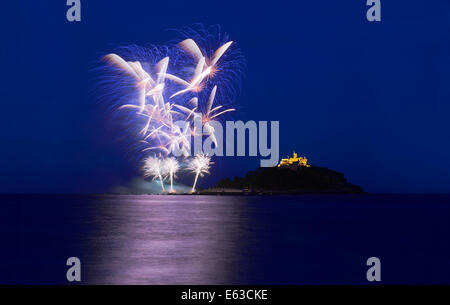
(295, 161)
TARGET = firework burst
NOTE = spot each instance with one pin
(154, 87)
(153, 168)
(170, 167)
(199, 165)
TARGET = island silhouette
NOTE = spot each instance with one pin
(291, 176)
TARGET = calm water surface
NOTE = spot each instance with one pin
(143, 239)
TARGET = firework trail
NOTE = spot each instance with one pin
(154, 87)
(199, 165)
(171, 167)
(205, 67)
(153, 168)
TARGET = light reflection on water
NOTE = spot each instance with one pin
(143, 239)
(166, 240)
(267, 239)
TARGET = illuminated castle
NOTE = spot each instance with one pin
(294, 162)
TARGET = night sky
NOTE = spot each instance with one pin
(370, 100)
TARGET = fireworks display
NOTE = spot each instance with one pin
(171, 167)
(153, 168)
(158, 86)
(199, 165)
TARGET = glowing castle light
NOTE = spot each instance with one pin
(294, 162)
(156, 86)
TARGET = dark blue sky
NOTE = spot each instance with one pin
(368, 99)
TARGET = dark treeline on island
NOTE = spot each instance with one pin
(292, 176)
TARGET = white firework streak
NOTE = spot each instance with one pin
(199, 165)
(153, 168)
(206, 67)
(170, 167)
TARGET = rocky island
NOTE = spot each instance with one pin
(292, 176)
